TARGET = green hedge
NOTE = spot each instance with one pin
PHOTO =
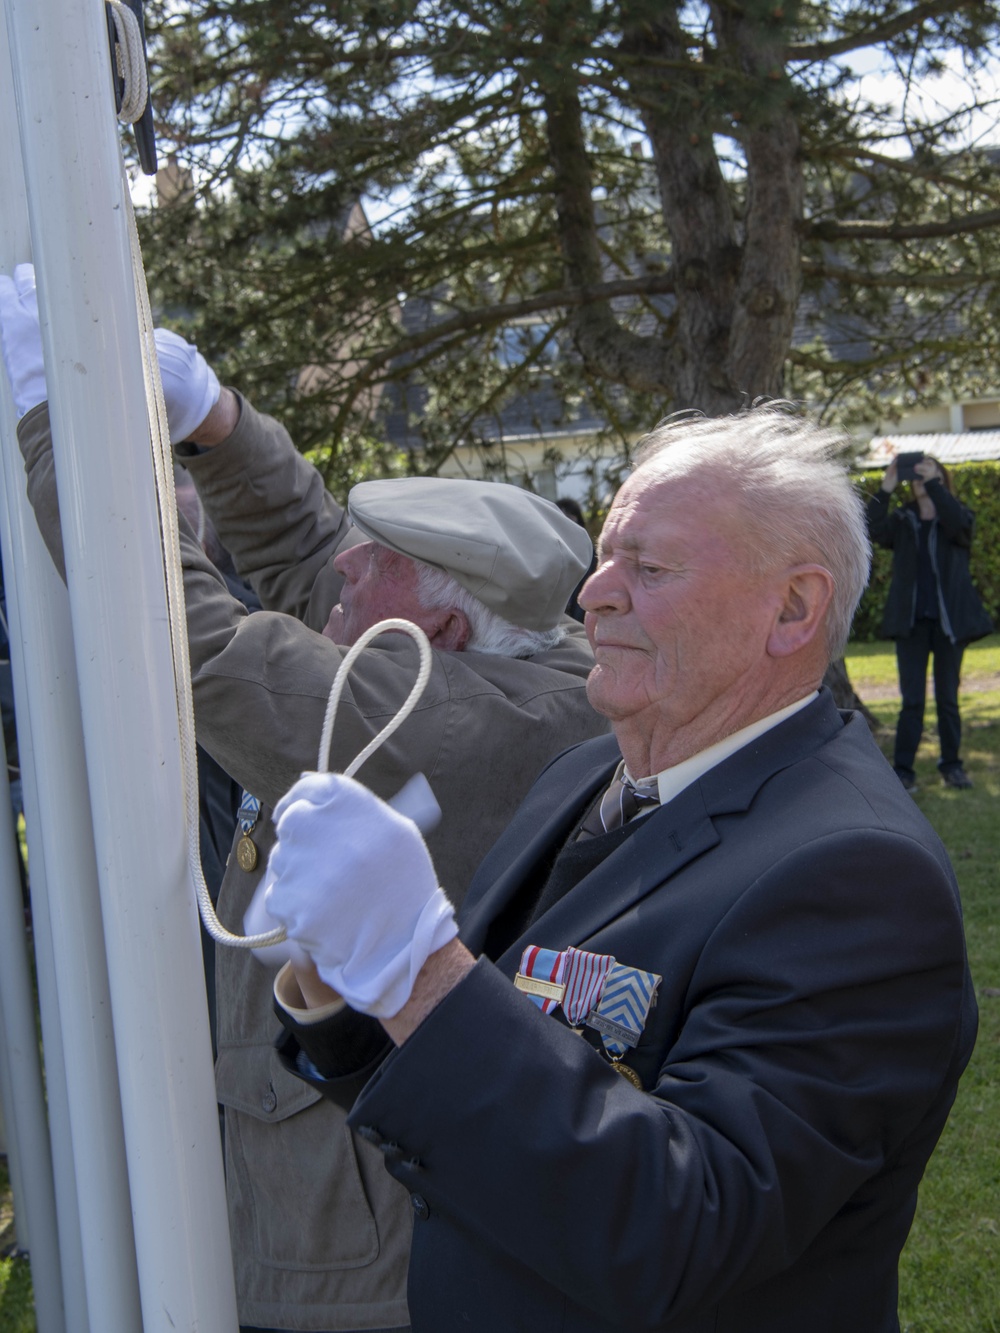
(978, 486)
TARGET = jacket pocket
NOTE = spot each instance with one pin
(253, 1080)
(296, 1197)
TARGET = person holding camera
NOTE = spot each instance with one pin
(933, 609)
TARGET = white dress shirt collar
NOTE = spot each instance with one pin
(672, 781)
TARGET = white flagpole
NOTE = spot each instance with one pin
(47, 1213)
(68, 1214)
(27, 1102)
(88, 1148)
(110, 527)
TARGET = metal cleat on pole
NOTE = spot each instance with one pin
(129, 68)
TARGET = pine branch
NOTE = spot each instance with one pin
(855, 230)
(876, 33)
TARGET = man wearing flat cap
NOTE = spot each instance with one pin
(320, 1233)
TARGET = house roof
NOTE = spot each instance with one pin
(972, 446)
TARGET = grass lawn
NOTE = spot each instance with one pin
(17, 1308)
(872, 666)
(950, 1271)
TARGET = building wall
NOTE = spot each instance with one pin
(947, 418)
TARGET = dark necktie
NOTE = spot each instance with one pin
(622, 801)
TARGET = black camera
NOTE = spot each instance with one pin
(906, 469)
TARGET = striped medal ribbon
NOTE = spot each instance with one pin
(593, 989)
(541, 977)
(584, 979)
(620, 1015)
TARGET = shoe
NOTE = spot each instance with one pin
(957, 777)
(908, 780)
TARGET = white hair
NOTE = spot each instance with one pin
(488, 632)
(796, 493)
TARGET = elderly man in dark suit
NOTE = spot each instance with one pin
(732, 903)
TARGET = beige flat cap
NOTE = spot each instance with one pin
(519, 554)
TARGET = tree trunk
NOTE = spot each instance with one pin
(844, 693)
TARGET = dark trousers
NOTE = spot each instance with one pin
(927, 639)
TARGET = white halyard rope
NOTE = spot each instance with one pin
(213, 925)
(131, 62)
(340, 680)
(166, 499)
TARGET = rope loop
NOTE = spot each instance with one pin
(213, 925)
(340, 680)
(131, 60)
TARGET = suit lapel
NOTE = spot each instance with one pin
(668, 839)
(541, 826)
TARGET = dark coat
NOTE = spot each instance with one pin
(960, 610)
(814, 1016)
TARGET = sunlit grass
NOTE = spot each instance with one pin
(874, 664)
(950, 1271)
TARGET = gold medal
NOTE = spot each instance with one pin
(627, 1072)
(246, 853)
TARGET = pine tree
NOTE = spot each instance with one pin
(651, 206)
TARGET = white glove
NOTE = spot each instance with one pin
(22, 338)
(352, 883)
(414, 799)
(190, 386)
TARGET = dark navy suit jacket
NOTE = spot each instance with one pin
(814, 1017)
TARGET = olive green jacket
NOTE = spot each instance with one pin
(320, 1231)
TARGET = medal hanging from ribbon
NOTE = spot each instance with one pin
(246, 848)
(593, 989)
